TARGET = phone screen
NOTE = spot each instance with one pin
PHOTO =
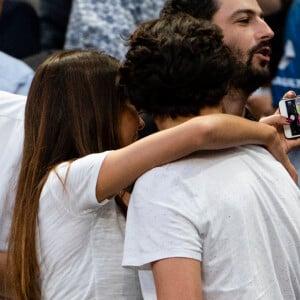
(293, 112)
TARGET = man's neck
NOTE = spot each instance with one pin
(167, 122)
(235, 102)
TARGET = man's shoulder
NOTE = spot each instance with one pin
(188, 166)
(205, 163)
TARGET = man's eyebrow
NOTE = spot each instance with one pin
(248, 12)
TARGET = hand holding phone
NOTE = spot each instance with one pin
(290, 108)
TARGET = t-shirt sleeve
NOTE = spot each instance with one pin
(73, 184)
(161, 222)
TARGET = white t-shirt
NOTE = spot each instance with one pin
(237, 211)
(80, 241)
(11, 143)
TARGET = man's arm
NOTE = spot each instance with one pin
(177, 279)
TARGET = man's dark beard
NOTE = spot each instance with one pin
(248, 78)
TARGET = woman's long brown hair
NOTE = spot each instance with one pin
(72, 110)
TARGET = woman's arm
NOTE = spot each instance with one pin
(217, 131)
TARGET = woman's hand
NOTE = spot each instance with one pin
(278, 149)
(280, 146)
(278, 121)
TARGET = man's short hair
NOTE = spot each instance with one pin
(204, 9)
(177, 65)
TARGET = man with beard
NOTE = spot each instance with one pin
(245, 33)
(248, 36)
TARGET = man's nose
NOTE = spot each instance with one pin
(264, 31)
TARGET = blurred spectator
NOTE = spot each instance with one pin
(54, 16)
(100, 24)
(35, 4)
(288, 75)
(270, 7)
(15, 75)
(19, 29)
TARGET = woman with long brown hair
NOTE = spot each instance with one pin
(67, 230)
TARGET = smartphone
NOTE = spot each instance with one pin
(290, 108)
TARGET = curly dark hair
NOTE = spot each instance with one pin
(176, 65)
(199, 9)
